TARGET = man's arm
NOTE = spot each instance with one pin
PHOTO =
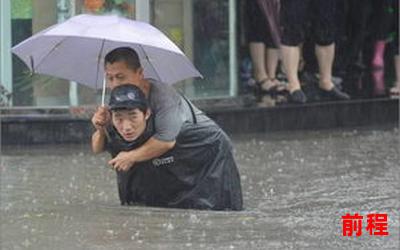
(98, 141)
(150, 149)
(99, 121)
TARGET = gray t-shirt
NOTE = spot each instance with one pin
(170, 111)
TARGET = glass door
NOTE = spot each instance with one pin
(204, 30)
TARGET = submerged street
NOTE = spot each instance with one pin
(296, 188)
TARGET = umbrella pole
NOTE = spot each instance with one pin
(103, 94)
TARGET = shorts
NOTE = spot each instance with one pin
(299, 15)
(257, 29)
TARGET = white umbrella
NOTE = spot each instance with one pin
(75, 50)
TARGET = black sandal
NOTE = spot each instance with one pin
(258, 89)
(275, 89)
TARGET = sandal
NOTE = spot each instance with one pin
(272, 87)
(258, 90)
(257, 87)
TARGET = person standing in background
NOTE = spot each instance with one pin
(295, 15)
(262, 33)
(383, 22)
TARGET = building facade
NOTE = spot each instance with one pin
(205, 30)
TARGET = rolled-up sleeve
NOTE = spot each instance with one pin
(167, 111)
(168, 123)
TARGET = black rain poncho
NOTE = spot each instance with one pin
(199, 172)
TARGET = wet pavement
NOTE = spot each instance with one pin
(296, 187)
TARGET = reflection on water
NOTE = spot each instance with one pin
(296, 187)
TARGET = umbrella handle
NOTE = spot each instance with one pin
(103, 94)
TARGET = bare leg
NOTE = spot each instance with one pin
(397, 69)
(257, 54)
(325, 56)
(290, 59)
(272, 84)
(377, 67)
(395, 90)
(272, 58)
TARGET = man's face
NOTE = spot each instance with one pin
(130, 123)
(118, 73)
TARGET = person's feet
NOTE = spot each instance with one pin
(334, 94)
(395, 91)
(297, 97)
(331, 92)
(272, 86)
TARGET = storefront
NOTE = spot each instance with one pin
(203, 29)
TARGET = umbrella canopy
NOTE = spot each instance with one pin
(75, 50)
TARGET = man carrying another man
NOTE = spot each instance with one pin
(181, 159)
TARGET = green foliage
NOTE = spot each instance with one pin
(21, 9)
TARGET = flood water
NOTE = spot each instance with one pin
(296, 186)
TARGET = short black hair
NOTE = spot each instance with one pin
(140, 108)
(124, 54)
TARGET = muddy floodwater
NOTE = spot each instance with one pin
(296, 188)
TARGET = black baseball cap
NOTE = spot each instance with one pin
(127, 96)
